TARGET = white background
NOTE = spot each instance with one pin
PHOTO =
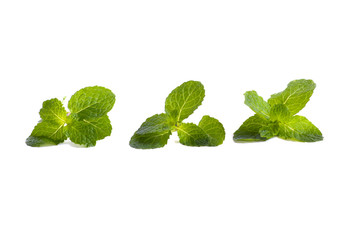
(142, 50)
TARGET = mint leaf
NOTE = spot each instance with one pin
(270, 130)
(192, 135)
(50, 128)
(153, 133)
(214, 129)
(295, 96)
(180, 104)
(257, 104)
(39, 141)
(53, 110)
(277, 117)
(299, 128)
(87, 132)
(279, 112)
(150, 140)
(249, 131)
(86, 124)
(91, 102)
(184, 100)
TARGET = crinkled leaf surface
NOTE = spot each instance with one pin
(214, 129)
(91, 102)
(257, 104)
(192, 135)
(184, 100)
(153, 133)
(249, 131)
(279, 112)
(87, 131)
(270, 130)
(299, 128)
(50, 130)
(295, 96)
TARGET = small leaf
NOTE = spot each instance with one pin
(270, 130)
(295, 96)
(33, 141)
(249, 131)
(51, 128)
(150, 140)
(279, 112)
(153, 133)
(257, 104)
(214, 129)
(298, 128)
(192, 135)
(91, 102)
(53, 110)
(184, 100)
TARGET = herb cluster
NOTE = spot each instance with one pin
(86, 122)
(179, 105)
(276, 117)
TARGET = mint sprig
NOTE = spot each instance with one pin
(84, 124)
(276, 117)
(179, 105)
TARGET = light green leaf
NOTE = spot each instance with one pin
(298, 128)
(53, 110)
(87, 131)
(184, 100)
(192, 135)
(153, 133)
(249, 131)
(257, 104)
(51, 128)
(214, 129)
(295, 96)
(91, 102)
(279, 112)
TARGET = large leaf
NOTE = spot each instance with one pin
(87, 132)
(91, 102)
(184, 100)
(295, 96)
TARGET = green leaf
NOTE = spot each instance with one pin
(33, 141)
(192, 135)
(53, 110)
(153, 133)
(249, 131)
(51, 128)
(87, 131)
(91, 102)
(214, 129)
(298, 128)
(270, 130)
(295, 96)
(184, 100)
(279, 112)
(257, 104)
